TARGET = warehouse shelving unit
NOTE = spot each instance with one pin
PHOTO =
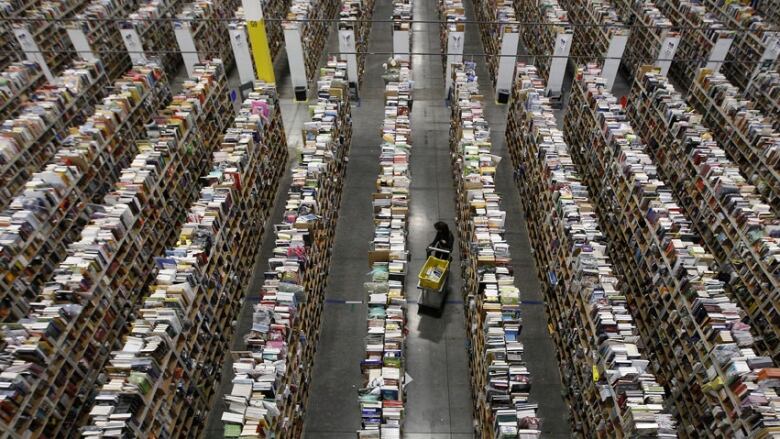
(451, 36)
(703, 37)
(653, 39)
(58, 351)
(146, 40)
(305, 40)
(353, 27)
(28, 142)
(552, 41)
(600, 34)
(201, 31)
(684, 311)
(608, 377)
(185, 319)
(50, 213)
(757, 43)
(500, 379)
(384, 363)
(95, 34)
(493, 34)
(289, 309)
(747, 135)
(735, 222)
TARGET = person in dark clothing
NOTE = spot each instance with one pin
(443, 240)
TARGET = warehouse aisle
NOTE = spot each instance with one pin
(540, 351)
(333, 410)
(294, 114)
(439, 397)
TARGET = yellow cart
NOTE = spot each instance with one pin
(434, 278)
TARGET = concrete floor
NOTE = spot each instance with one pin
(439, 402)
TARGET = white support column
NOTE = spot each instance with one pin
(347, 48)
(669, 45)
(506, 66)
(79, 39)
(189, 52)
(294, 47)
(31, 50)
(718, 53)
(558, 64)
(401, 44)
(133, 43)
(617, 45)
(240, 44)
(454, 53)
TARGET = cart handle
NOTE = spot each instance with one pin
(440, 250)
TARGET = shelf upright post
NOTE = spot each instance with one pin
(401, 44)
(132, 41)
(617, 45)
(80, 41)
(769, 57)
(454, 54)
(561, 51)
(669, 44)
(294, 46)
(506, 64)
(347, 48)
(718, 53)
(258, 39)
(182, 29)
(31, 49)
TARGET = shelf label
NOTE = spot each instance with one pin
(81, 43)
(240, 45)
(348, 48)
(617, 45)
(189, 52)
(31, 50)
(294, 46)
(401, 43)
(133, 45)
(558, 64)
(506, 63)
(666, 53)
(454, 55)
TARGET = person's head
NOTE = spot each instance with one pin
(441, 227)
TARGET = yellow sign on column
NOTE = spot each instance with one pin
(258, 40)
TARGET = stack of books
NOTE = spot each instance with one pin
(764, 90)
(55, 356)
(49, 214)
(162, 380)
(270, 383)
(737, 225)
(156, 36)
(749, 137)
(608, 379)
(496, 17)
(700, 31)
(500, 380)
(452, 15)
(98, 21)
(403, 12)
(17, 83)
(541, 40)
(12, 53)
(684, 310)
(382, 394)
(645, 43)
(28, 141)
(307, 16)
